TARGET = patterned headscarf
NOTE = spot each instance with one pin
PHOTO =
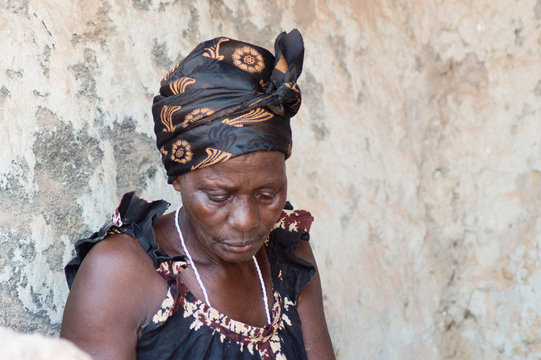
(225, 99)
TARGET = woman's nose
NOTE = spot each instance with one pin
(243, 216)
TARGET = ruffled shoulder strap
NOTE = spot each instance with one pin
(135, 217)
(290, 272)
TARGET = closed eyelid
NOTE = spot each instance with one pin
(217, 193)
(222, 198)
(267, 197)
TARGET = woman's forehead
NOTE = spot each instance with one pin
(258, 168)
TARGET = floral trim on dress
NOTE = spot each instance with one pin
(263, 340)
(295, 220)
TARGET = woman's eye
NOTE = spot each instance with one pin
(218, 198)
(266, 196)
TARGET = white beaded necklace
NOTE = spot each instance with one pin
(262, 283)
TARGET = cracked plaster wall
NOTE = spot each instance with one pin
(418, 150)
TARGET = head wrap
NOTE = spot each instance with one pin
(225, 99)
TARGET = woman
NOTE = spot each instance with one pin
(229, 275)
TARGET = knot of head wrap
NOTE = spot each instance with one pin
(228, 98)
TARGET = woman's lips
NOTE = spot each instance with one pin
(238, 247)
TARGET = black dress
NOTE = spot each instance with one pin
(185, 327)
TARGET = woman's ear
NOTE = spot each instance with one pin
(176, 184)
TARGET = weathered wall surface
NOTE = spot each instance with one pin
(418, 149)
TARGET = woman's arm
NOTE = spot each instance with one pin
(314, 327)
(115, 289)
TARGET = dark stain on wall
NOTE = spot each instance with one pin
(193, 29)
(12, 192)
(99, 28)
(44, 59)
(313, 100)
(354, 197)
(537, 10)
(19, 248)
(159, 55)
(340, 49)
(142, 4)
(84, 73)
(4, 93)
(245, 23)
(136, 157)
(16, 6)
(66, 155)
(537, 89)
(14, 74)
(65, 161)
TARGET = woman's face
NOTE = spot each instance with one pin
(233, 206)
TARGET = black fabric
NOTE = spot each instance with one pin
(225, 99)
(176, 336)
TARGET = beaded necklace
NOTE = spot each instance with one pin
(192, 263)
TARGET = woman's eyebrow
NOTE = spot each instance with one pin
(206, 185)
(213, 185)
(272, 185)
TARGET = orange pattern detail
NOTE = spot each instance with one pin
(195, 115)
(248, 59)
(293, 86)
(166, 116)
(213, 52)
(264, 84)
(179, 86)
(253, 116)
(181, 152)
(214, 156)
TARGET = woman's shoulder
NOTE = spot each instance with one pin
(120, 261)
(113, 295)
(116, 252)
(115, 267)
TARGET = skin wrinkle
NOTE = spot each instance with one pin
(240, 216)
(252, 191)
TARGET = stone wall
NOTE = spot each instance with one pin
(417, 148)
